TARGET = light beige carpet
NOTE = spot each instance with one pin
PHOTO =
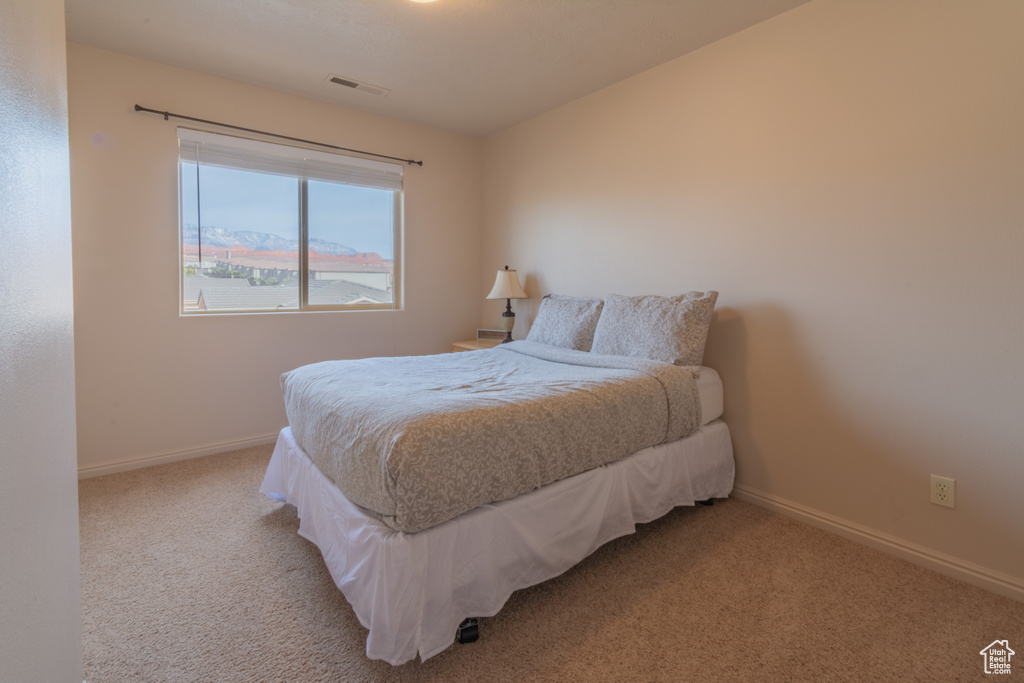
(189, 574)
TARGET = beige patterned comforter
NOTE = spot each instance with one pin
(419, 440)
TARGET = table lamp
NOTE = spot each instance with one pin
(507, 287)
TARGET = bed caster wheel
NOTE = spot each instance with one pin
(468, 631)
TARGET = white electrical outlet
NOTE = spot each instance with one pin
(944, 491)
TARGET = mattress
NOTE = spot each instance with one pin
(412, 590)
(710, 391)
(419, 440)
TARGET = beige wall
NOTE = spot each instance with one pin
(849, 176)
(40, 613)
(154, 386)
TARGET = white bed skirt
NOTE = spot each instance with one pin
(412, 590)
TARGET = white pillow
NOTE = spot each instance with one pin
(668, 329)
(566, 321)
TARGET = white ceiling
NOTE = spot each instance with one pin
(468, 66)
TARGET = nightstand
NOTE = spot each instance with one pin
(474, 345)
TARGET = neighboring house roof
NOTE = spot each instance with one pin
(216, 298)
(326, 292)
(219, 294)
(194, 283)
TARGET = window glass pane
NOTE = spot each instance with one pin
(246, 256)
(351, 244)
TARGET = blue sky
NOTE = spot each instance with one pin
(357, 217)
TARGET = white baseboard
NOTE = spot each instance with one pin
(997, 582)
(112, 466)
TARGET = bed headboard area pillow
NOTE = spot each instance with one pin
(566, 321)
(669, 329)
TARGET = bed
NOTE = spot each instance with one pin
(551, 476)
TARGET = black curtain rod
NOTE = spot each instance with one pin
(167, 114)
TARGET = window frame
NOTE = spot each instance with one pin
(398, 195)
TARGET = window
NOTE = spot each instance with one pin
(267, 227)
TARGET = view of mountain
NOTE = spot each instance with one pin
(259, 241)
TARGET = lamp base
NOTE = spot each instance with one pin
(508, 321)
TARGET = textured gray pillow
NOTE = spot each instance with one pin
(566, 321)
(669, 329)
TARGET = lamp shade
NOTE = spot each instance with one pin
(506, 286)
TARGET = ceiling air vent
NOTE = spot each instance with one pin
(358, 85)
